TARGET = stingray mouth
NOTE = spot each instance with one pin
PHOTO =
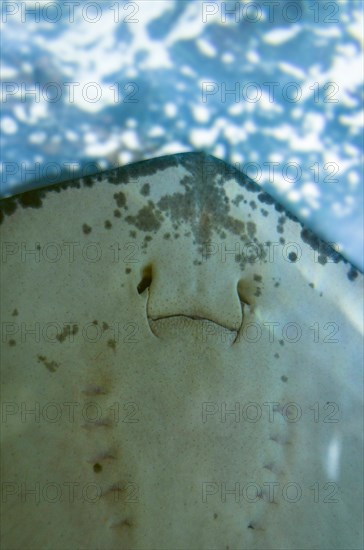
(203, 328)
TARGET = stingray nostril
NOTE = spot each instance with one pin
(243, 293)
(146, 279)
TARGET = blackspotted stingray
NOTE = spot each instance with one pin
(181, 367)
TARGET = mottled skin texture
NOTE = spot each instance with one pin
(168, 327)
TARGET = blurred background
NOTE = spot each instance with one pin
(274, 87)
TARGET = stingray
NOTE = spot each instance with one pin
(181, 367)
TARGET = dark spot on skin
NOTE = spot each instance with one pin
(264, 197)
(276, 285)
(251, 526)
(12, 342)
(88, 181)
(176, 235)
(320, 294)
(264, 212)
(31, 199)
(145, 190)
(97, 468)
(105, 326)
(67, 331)
(281, 342)
(8, 207)
(166, 235)
(52, 366)
(120, 199)
(352, 274)
(284, 378)
(38, 246)
(116, 176)
(279, 228)
(311, 285)
(108, 224)
(257, 292)
(292, 256)
(133, 234)
(148, 238)
(257, 278)
(276, 355)
(253, 205)
(147, 219)
(282, 240)
(86, 229)
(112, 344)
(282, 220)
(251, 228)
(117, 213)
(95, 322)
(324, 249)
(215, 516)
(238, 199)
(15, 312)
(127, 270)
